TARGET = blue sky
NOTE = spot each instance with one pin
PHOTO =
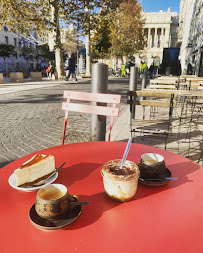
(156, 5)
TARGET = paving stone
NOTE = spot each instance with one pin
(33, 120)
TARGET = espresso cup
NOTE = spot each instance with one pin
(152, 165)
(53, 201)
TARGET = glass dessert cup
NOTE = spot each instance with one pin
(120, 184)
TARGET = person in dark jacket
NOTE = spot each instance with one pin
(152, 71)
(71, 68)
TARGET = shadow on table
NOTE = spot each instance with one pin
(100, 202)
(180, 170)
(76, 172)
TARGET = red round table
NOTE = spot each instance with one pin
(167, 218)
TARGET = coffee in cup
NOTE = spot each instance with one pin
(53, 201)
(152, 165)
(120, 184)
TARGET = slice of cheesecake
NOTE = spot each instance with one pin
(37, 168)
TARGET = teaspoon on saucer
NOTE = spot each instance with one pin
(161, 179)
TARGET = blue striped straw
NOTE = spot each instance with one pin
(126, 152)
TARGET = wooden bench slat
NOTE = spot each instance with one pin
(151, 93)
(150, 103)
(157, 86)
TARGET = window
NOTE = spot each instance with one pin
(15, 42)
(6, 40)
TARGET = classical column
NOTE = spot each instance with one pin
(155, 37)
(167, 38)
(162, 38)
(149, 30)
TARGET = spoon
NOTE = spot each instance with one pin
(126, 152)
(44, 180)
(161, 179)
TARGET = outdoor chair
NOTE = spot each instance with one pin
(152, 121)
(98, 105)
(195, 123)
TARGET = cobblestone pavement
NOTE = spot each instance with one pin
(33, 120)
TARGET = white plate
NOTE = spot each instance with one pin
(12, 182)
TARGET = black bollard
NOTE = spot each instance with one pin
(133, 87)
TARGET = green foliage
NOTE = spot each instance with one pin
(101, 40)
(126, 26)
(6, 50)
(45, 14)
(22, 15)
(28, 53)
(122, 30)
(44, 52)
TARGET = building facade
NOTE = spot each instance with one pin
(25, 60)
(160, 30)
(22, 60)
(190, 36)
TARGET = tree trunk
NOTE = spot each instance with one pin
(59, 62)
(57, 41)
(88, 56)
(88, 49)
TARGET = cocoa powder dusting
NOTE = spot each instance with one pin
(117, 171)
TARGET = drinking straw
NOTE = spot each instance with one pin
(126, 152)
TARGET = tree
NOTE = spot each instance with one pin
(28, 53)
(6, 51)
(127, 34)
(24, 15)
(101, 42)
(93, 23)
(86, 17)
(44, 52)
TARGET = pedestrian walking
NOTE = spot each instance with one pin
(71, 68)
(49, 70)
(123, 70)
(152, 71)
(143, 65)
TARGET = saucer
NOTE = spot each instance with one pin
(155, 182)
(44, 224)
(12, 182)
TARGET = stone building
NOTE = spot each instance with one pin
(25, 51)
(16, 62)
(160, 30)
(190, 36)
(21, 63)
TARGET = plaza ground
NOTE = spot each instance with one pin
(32, 119)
